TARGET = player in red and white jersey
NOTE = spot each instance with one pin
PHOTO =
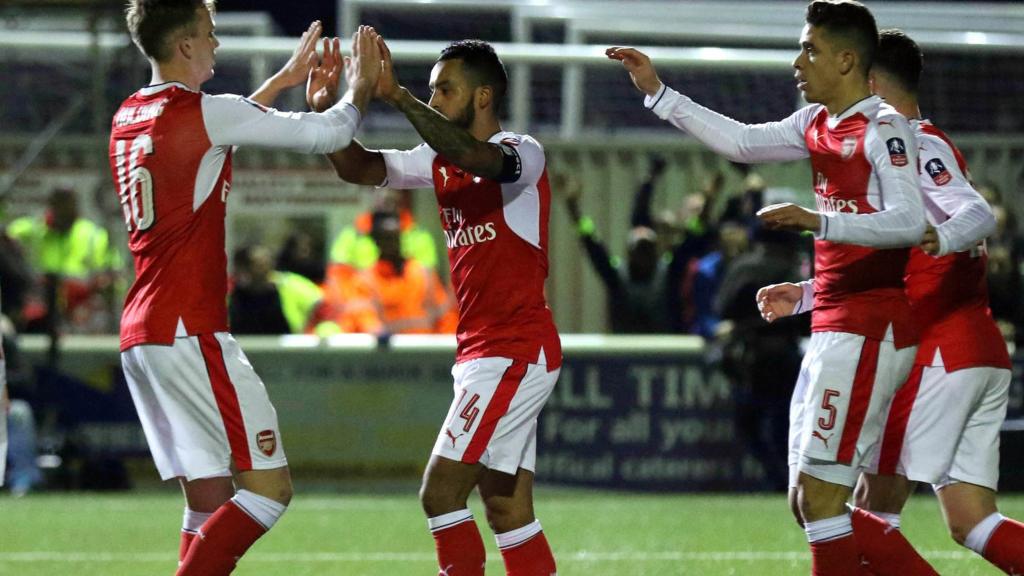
(494, 201)
(869, 210)
(205, 412)
(944, 423)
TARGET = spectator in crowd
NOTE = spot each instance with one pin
(705, 275)
(304, 255)
(269, 301)
(637, 293)
(748, 346)
(1005, 267)
(743, 207)
(395, 295)
(72, 257)
(354, 245)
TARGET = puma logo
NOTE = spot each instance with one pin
(444, 571)
(448, 431)
(444, 174)
(824, 440)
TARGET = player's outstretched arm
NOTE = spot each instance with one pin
(294, 71)
(354, 164)
(739, 142)
(641, 69)
(780, 300)
(454, 143)
(234, 121)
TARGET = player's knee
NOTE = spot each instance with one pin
(436, 501)
(504, 515)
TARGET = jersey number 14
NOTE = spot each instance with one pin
(135, 183)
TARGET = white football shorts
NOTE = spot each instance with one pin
(943, 427)
(204, 410)
(493, 418)
(840, 402)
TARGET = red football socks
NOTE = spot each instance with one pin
(835, 557)
(885, 548)
(221, 541)
(833, 549)
(526, 551)
(460, 550)
(1005, 547)
(191, 522)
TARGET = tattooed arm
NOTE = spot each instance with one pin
(454, 143)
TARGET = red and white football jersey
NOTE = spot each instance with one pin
(864, 170)
(859, 288)
(949, 293)
(170, 155)
(497, 236)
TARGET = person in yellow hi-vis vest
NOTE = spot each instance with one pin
(355, 247)
(75, 252)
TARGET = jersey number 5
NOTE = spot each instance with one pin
(135, 183)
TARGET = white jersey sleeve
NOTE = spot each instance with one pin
(806, 303)
(961, 217)
(409, 168)
(890, 147)
(739, 142)
(236, 121)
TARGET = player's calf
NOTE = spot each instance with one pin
(446, 488)
(238, 523)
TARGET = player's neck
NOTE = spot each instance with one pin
(905, 104)
(846, 98)
(483, 129)
(163, 73)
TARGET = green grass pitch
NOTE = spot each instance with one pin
(593, 533)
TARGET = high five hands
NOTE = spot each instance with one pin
(362, 68)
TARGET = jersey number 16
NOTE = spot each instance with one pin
(135, 183)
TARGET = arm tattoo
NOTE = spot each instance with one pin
(445, 138)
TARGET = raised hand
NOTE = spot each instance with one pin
(388, 89)
(639, 66)
(778, 300)
(322, 86)
(363, 66)
(303, 58)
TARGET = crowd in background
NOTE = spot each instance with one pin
(690, 270)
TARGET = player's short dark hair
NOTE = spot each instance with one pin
(899, 56)
(850, 22)
(483, 66)
(152, 23)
